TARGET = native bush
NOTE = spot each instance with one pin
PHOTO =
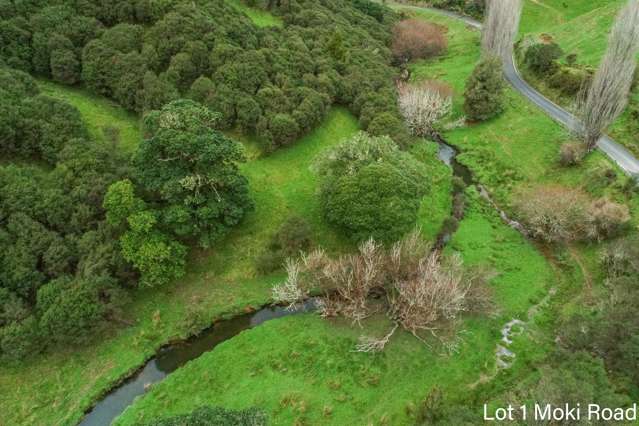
(192, 169)
(371, 188)
(541, 58)
(556, 214)
(571, 154)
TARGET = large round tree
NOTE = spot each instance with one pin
(370, 188)
(191, 169)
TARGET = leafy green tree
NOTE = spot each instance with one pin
(193, 170)
(158, 258)
(370, 188)
(484, 95)
(65, 67)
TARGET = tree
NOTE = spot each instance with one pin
(65, 67)
(421, 287)
(158, 258)
(484, 94)
(541, 57)
(422, 107)
(371, 188)
(608, 94)
(416, 39)
(192, 169)
(500, 28)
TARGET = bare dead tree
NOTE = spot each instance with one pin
(608, 94)
(422, 106)
(420, 289)
(500, 28)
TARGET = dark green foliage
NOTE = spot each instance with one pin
(214, 416)
(293, 237)
(65, 67)
(484, 95)
(155, 254)
(371, 189)
(570, 80)
(474, 8)
(541, 57)
(34, 126)
(145, 54)
(60, 269)
(192, 170)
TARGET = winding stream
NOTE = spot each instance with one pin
(172, 357)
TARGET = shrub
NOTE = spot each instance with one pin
(484, 94)
(555, 213)
(570, 80)
(421, 287)
(416, 39)
(371, 188)
(293, 237)
(571, 153)
(424, 105)
(541, 57)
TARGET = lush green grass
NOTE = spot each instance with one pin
(99, 114)
(260, 18)
(437, 204)
(303, 369)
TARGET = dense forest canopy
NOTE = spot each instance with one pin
(275, 82)
(60, 267)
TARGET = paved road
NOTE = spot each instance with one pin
(617, 153)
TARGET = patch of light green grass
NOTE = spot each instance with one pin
(260, 18)
(98, 113)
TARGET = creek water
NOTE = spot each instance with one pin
(172, 357)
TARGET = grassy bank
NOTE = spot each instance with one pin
(302, 369)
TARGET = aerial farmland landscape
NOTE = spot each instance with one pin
(319, 212)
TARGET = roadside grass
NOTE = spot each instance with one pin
(260, 18)
(99, 114)
(303, 369)
(583, 29)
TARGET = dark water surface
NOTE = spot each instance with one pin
(172, 357)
